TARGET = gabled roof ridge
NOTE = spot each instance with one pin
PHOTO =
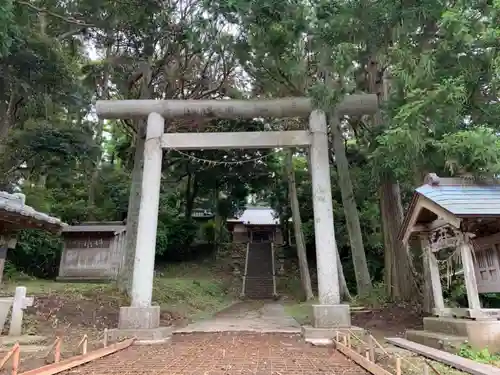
(432, 179)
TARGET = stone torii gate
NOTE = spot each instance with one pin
(141, 319)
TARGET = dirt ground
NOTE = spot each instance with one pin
(71, 316)
(389, 321)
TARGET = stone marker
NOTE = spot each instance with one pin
(19, 304)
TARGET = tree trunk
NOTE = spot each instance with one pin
(305, 276)
(134, 201)
(124, 279)
(94, 181)
(398, 269)
(192, 188)
(8, 115)
(363, 280)
(398, 275)
(345, 295)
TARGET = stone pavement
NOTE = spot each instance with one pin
(247, 316)
(225, 354)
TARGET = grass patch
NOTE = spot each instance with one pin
(189, 290)
(377, 298)
(300, 311)
(43, 287)
(193, 299)
(481, 356)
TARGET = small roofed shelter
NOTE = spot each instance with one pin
(16, 215)
(256, 224)
(461, 215)
(93, 251)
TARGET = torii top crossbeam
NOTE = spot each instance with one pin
(283, 107)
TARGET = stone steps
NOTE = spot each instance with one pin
(452, 326)
(259, 288)
(479, 333)
(437, 340)
(259, 282)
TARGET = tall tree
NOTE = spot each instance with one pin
(363, 279)
(300, 243)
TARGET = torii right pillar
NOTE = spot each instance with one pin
(329, 314)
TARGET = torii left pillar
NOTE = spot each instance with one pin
(142, 319)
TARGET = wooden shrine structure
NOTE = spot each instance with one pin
(461, 215)
(93, 251)
(16, 215)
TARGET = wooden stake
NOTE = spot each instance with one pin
(344, 340)
(371, 347)
(83, 344)
(367, 355)
(398, 366)
(66, 364)
(362, 361)
(105, 338)
(337, 336)
(9, 355)
(426, 369)
(15, 360)
(57, 352)
(348, 340)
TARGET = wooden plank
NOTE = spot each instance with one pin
(79, 360)
(437, 288)
(449, 359)
(470, 276)
(217, 141)
(360, 360)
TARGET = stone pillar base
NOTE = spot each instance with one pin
(327, 321)
(143, 323)
(139, 317)
(331, 316)
(325, 336)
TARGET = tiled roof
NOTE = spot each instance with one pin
(462, 197)
(115, 229)
(257, 216)
(13, 204)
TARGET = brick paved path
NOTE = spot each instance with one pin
(225, 354)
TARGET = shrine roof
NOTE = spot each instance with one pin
(464, 199)
(450, 200)
(95, 228)
(256, 216)
(14, 211)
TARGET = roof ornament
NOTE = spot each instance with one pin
(432, 179)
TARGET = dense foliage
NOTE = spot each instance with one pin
(434, 64)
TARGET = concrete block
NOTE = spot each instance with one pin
(331, 316)
(150, 336)
(139, 317)
(479, 333)
(436, 340)
(311, 333)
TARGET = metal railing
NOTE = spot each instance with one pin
(275, 294)
(242, 294)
